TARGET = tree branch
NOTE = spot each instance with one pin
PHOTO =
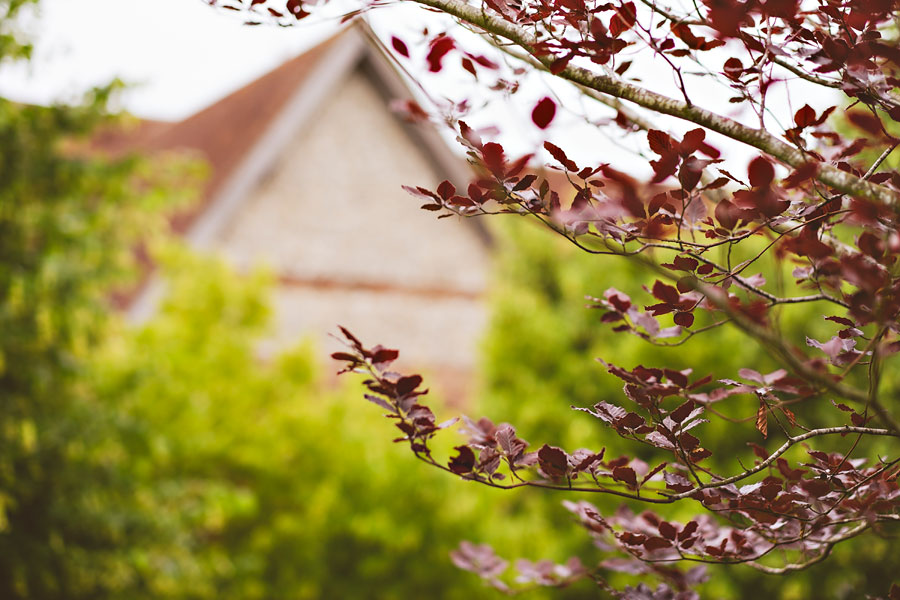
(757, 138)
(791, 441)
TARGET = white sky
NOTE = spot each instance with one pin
(181, 55)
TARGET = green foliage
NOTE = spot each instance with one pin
(12, 45)
(171, 461)
(67, 224)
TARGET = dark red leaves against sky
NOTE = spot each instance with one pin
(399, 46)
(439, 48)
(543, 112)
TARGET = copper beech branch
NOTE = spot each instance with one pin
(791, 441)
(817, 529)
(762, 140)
(673, 18)
(364, 364)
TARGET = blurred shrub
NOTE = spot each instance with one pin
(281, 485)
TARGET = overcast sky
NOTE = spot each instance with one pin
(181, 55)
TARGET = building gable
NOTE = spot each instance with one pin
(306, 181)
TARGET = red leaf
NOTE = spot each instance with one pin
(380, 402)
(553, 461)
(623, 20)
(677, 483)
(385, 355)
(666, 293)
(685, 319)
(690, 172)
(351, 338)
(680, 414)
(295, 7)
(439, 48)
(468, 66)
(559, 65)
(625, 474)
(407, 384)
(692, 140)
(399, 46)
(854, 148)
(805, 117)
(699, 454)
(761, 172)
(710, 151)
(804, 172)
(727, 214)
(543, 112)
(656, 543)
(762, 422)
(463, 462)
(688, 530)
(485, 62)
(865, 121)
(632, 539)
(667, 530)
(446, 189)
(759, 450)
(494, 158)
(506, 437)
(684, 263)
(688, 442)
(653, 472)
(792, 418)
(841, 321)
(630, 421)
(560, 156)
(665, 166)
(733, 69)
(525, 182)
(660, 142)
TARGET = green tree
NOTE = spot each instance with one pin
(68, 222)
(170, 461)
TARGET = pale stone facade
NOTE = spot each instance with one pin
(351, 247)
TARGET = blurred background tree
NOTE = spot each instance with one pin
(68, 519)
(273, 477)
(170, 461)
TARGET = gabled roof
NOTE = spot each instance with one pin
(242, 135)
(224, 133)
